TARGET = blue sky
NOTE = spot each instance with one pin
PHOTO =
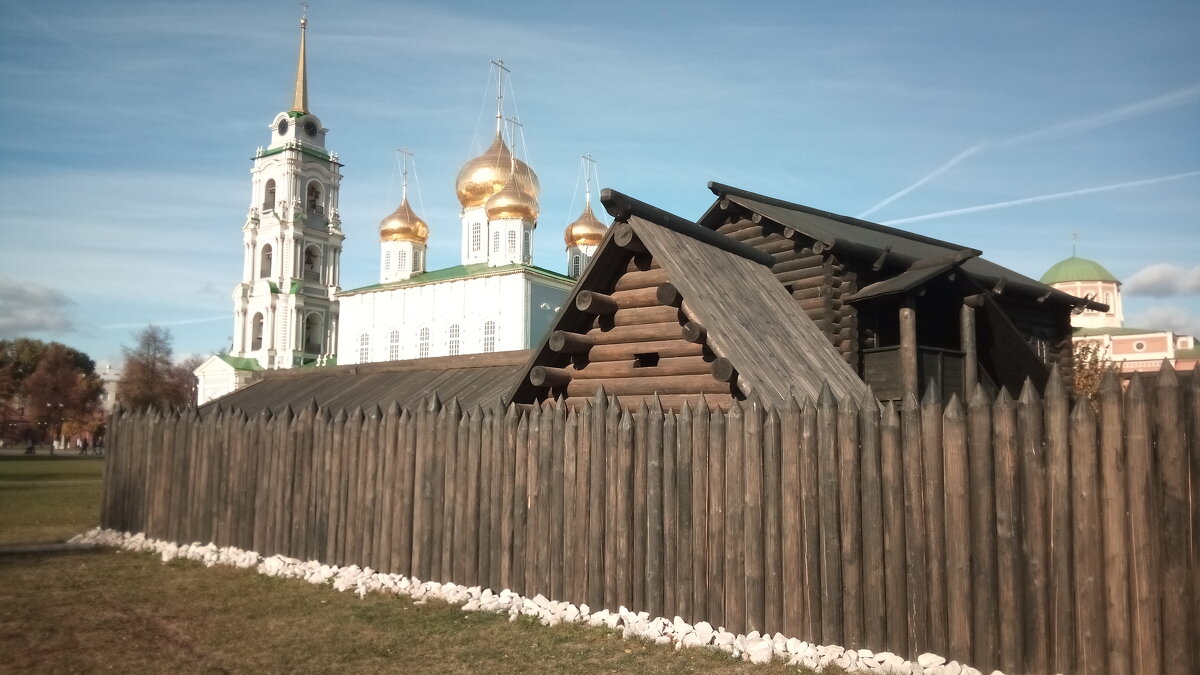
(129, 128)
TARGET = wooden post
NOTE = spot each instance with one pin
(935, 515)
(832, 610)
(791, 532)
(735, 580)
(1115, 522)
(908, 348)
(958, 531)
(752, 518)
(1179, 640)
(685, 551)
(967, 341)
(623, 525)
(874, 586)
(700, 484)
(670, 511)
(850, 508)
(1145, 575)
(655, 513)
(915, 538)
(1035, 541)
(1058, 465)
(597, 502)
(983, 531)
(1087, 563)
(637, 546)
(718, 453)
(1008, 540)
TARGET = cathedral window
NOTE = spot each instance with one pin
(387, 261)
(394, 346)
(576, 266)
(489, 336)
(495, 242)
(264, 262)
(364, 347)
(313, 333)
(418, 254)
(269, 196)
(454, 340)
(476, 238)
(314, 198)
(512, 242)
(312, 263)
(423, 343)
(256, 332)
(527, 252)
(402, 260)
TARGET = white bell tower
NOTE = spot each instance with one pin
(285, 308)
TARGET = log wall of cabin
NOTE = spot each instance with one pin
(816, 279)
(640, 342)
(1040, 319)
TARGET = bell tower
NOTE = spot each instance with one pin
(285, 308)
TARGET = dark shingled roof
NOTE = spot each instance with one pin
(846, 235)
(475, 379)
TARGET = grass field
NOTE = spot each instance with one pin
(109, 610)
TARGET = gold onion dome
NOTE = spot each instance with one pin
(488, 173)
(403, 225)
(587, 230)
(512, 202)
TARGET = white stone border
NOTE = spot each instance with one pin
(753, 647)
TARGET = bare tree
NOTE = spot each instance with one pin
(150, 378)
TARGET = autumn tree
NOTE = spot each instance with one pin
(150, 377)
(54, 384)
(1091, 365)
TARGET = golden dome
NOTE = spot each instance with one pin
(587, 230)
(488, 173)
(403, 225)
(512, 202)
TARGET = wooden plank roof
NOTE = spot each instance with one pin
(750, 318)
(471, 378)
(847, 235)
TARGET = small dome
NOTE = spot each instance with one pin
(1077, 269)
(512, 202)
(587, 230)
(488, 173)
(403, 225)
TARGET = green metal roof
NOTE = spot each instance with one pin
(1114, 330)
(460, 272)
(240, 362)
(1077, 269)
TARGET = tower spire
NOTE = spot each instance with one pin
(500, 71)
(300, 97)
(404, 155)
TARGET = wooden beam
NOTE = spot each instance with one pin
(723, 370)
(908, 349)
(595, 303)
(967, 342)
(667, 294)
(626, 350)
(624, 236)
(639, 315)
(676, 365)
(669, 384)
(639, 297)
(569, 343)
(694, 332)
(546, 376)
(640, 279)
(800, 261)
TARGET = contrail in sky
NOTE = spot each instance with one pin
(1078, 126)
(181, 322)
(1043, 198)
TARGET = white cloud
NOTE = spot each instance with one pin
(1163, 280)
(1161, 317)
(31, 308)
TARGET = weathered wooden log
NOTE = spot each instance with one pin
(735, 224)
(816, 281)
(627, 350)
(624, 236)
(666, 384)
(1058, 464)
(547, 376)
(1008, 544)
(1035, 618)
(641, 262)
(595, 303)
(639, 315)
(679, 365)
(958, 527)
(984, 599)
(1179, 636)
(694, 332)
(569, 343)
(723, 370)
(667, 294)
(637, 333)
(820, 269)
(776, 245)
(1116, 541)
(667, 401)
(908, 350)
(640, 279)
(800, 260)
(810, 293)
(1088, 566)
(1144, 565)
(637, 297)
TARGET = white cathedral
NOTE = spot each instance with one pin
(289, 310)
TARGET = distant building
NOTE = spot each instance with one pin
(1134, 349)
(109, 377)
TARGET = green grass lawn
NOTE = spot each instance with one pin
(44, 499)
(127, 612)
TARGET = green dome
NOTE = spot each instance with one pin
(1077, 269)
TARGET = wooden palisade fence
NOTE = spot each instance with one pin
(1032, 534)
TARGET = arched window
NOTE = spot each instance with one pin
(512, 242)
(476, 238)
(314, 335)
(495, 242)
(256, 332)
(387, 261)
(269, 196)
(576, 265)
(423, 343)
(314, 197)
(364, 347)
(453, 340)
(418, 254)
(394, 346)
(489, 336)
(312, 263)
(402, 260)
(264, 262)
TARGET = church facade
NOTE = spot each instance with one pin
(289, 309)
